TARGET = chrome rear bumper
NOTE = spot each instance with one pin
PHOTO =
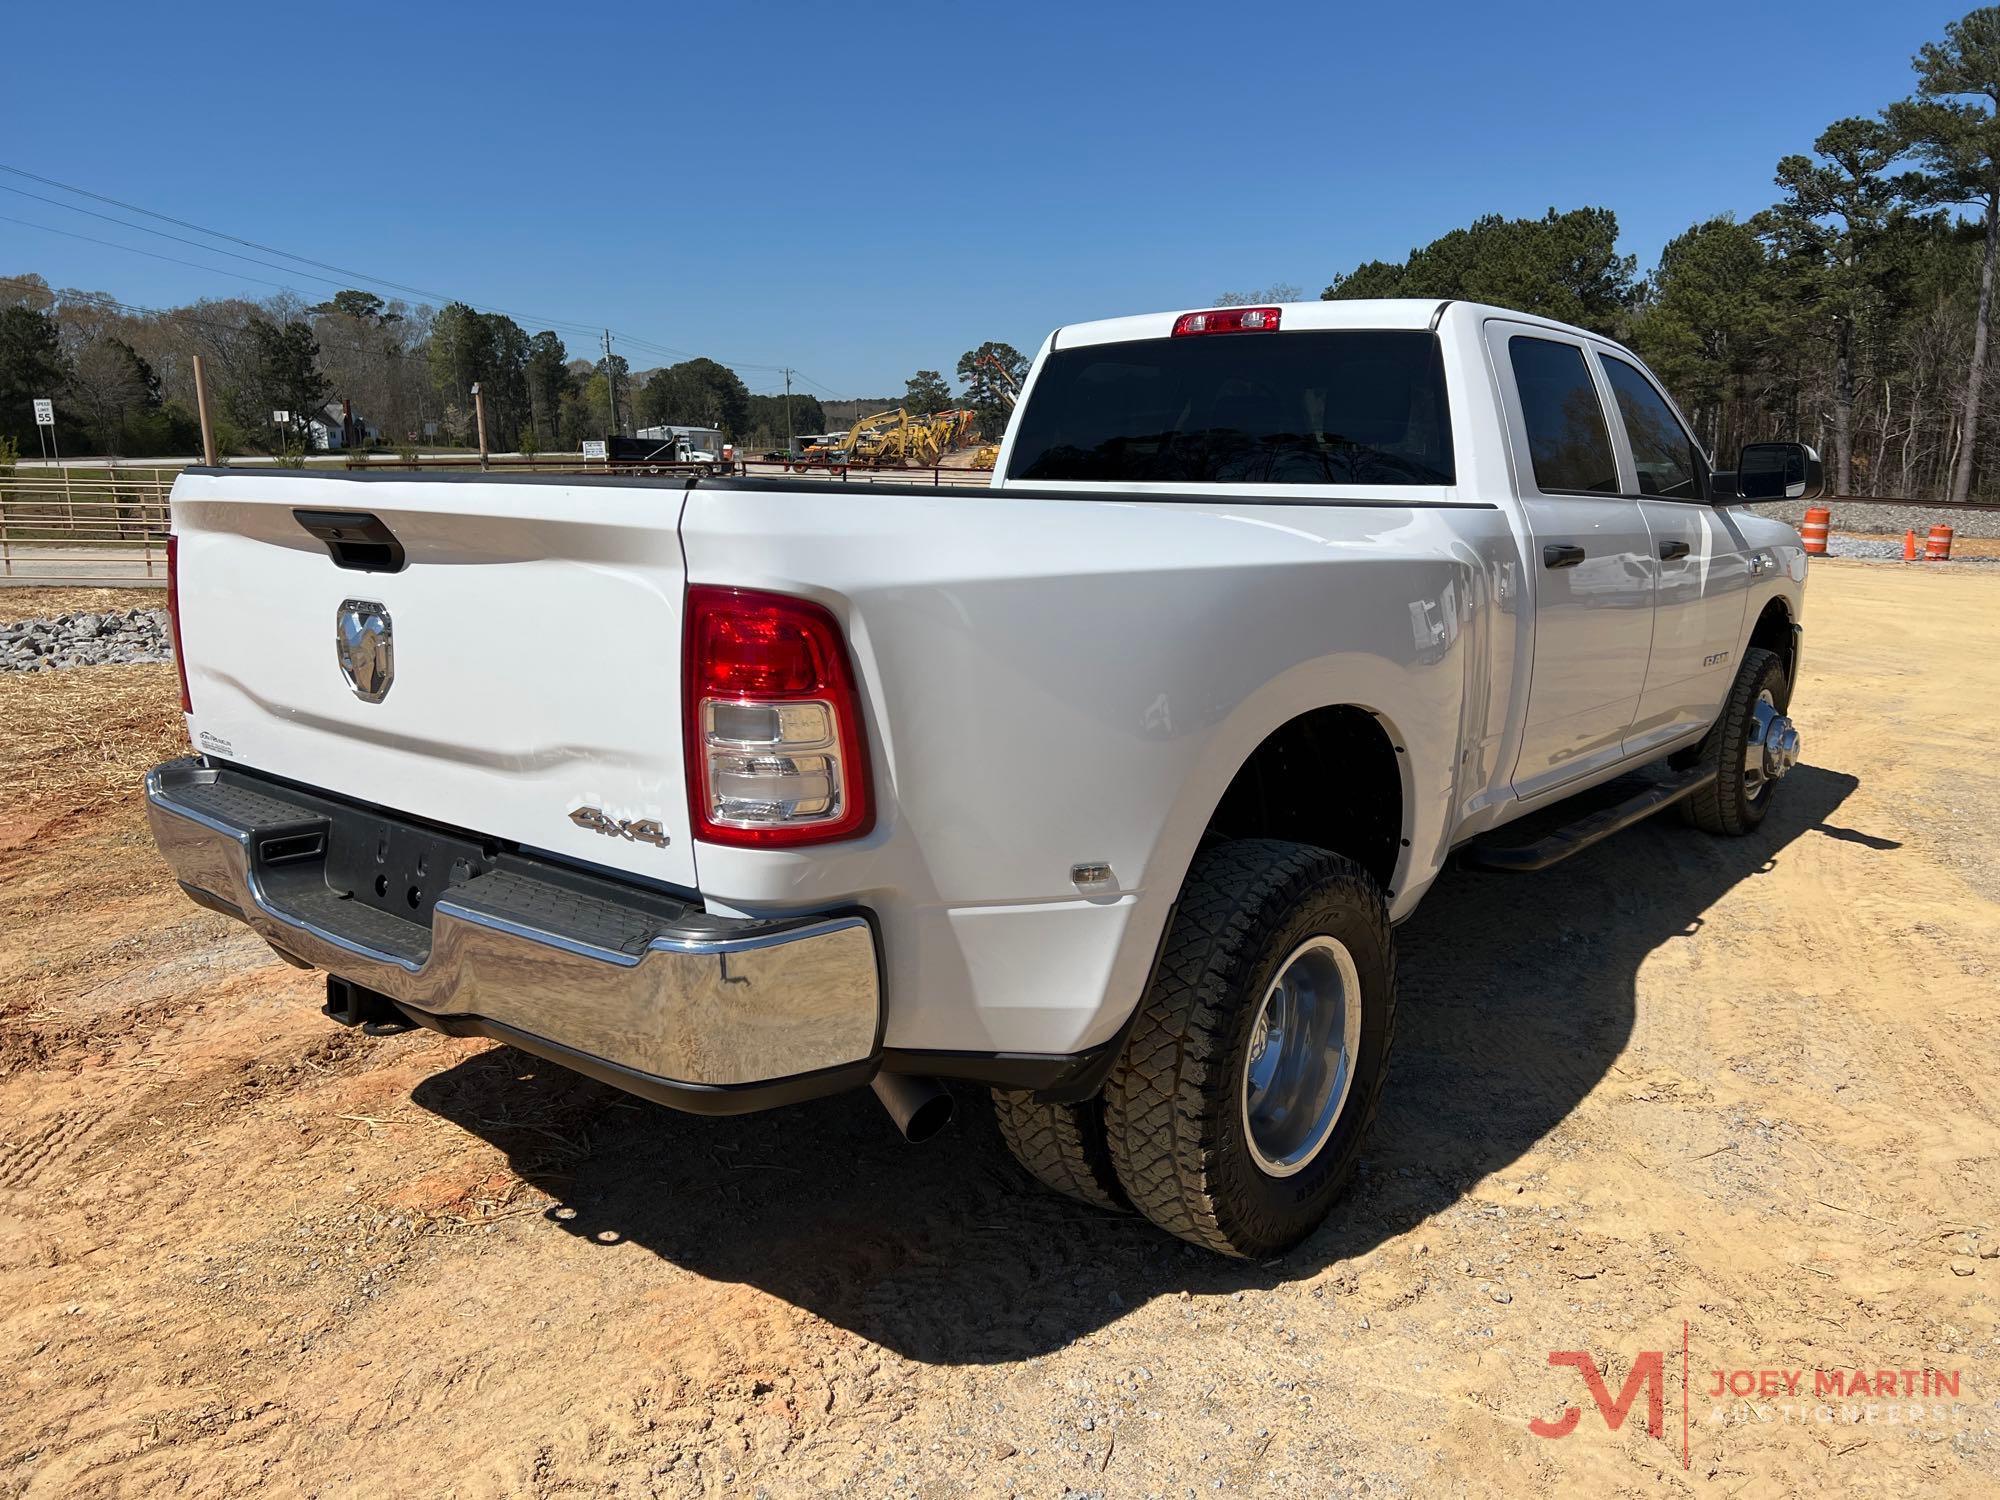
(707, 1013)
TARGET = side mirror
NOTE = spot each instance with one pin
(1779, 471)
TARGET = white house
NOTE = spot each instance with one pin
(337, 426)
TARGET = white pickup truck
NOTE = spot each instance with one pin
(1103, 787)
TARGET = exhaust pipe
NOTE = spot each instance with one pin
(921, 1107)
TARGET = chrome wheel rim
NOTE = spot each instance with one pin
(1770, 749)
(1300, 1062)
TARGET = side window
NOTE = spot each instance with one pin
(1568, 442)
(1660, 445)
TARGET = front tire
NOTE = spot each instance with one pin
(1236, 1113)
(1747, 770)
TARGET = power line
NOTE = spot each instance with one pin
(150, 254)
(145, 229)
(341, 271)
(811, 384)
(645, 344)
(222, 234)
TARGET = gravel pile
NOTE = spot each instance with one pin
(1854, 546)
(1891, 550)
(85, 640)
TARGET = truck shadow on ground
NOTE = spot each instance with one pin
(1517, 995)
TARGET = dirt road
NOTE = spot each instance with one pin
(1745, 1088)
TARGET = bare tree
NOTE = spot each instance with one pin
(1953, 125)
(1277, 291)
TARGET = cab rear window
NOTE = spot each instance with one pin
(1284, 408)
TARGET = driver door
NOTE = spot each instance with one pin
(1704, 582)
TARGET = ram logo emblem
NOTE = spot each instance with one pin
(365, 643)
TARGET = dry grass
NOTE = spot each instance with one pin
(86, 735)
(43, 604)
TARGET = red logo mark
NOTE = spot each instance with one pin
(1648, 1373)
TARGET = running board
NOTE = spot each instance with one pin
(1591, 828)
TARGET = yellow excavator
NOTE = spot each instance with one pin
(954, 428)
(928, 439)
(859, 444)
(897, 440)
(894, 440)
(881, 439)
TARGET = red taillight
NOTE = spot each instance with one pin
(174, 618)
(776, 755)
(1228, 320)
(756, 652)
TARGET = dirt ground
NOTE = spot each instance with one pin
(1746, 1088)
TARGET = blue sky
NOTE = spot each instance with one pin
(861, 191)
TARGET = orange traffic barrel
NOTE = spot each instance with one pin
(1909, 546)
(1937, 547)
(1818, 518)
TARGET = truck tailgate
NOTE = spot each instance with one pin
(535, 638)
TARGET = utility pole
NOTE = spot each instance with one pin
(790, 441)
(201, 407)
(479, 411)
(611, 385)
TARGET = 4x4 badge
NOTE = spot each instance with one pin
(639, 830)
